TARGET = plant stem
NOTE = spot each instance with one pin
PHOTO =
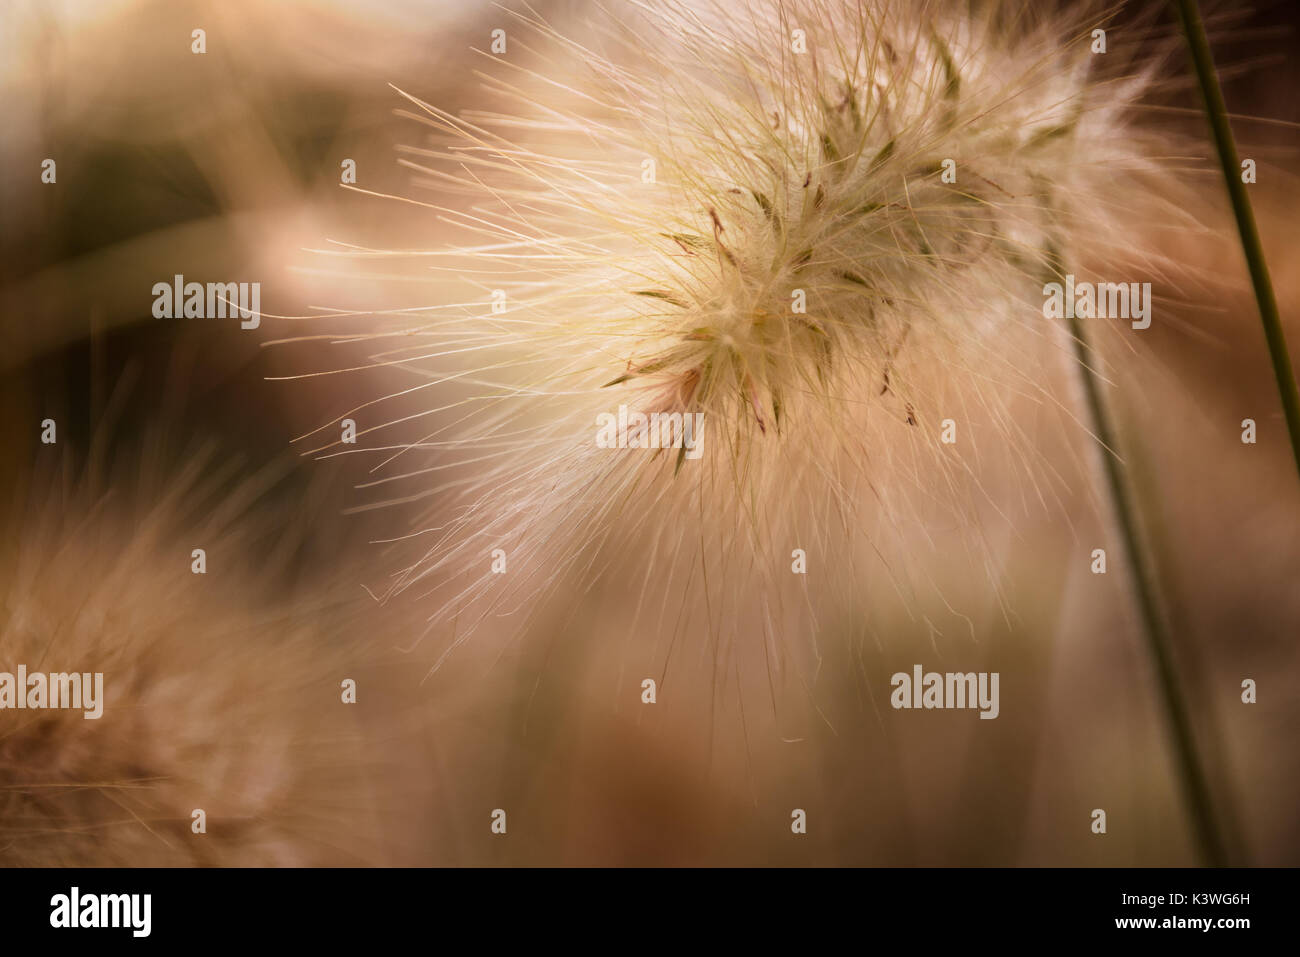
(1196, 789)
(1217, 113)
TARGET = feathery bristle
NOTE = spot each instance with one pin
(821, 227)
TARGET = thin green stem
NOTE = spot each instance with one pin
(1196, 788)
(1217, 114)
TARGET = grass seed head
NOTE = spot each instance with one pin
(819, 224)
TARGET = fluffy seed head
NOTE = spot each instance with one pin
(215, 695)
(822, 225)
